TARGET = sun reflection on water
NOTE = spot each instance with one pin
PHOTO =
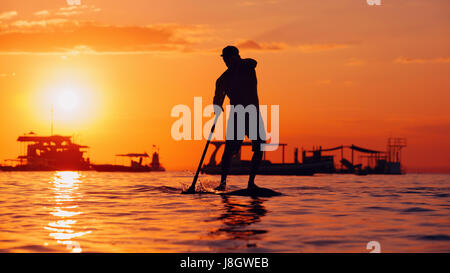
(65, 187)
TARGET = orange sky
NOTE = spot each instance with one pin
(342, 72)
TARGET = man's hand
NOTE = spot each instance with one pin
(218, 109)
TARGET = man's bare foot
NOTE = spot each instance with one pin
(221, 187)
(252, 186)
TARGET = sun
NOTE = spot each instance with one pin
(68, 104)
(68, 99)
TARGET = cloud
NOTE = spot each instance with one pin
(354, 62)
(63, 35)
(3, 75)
(252, 45)
(8, 15)
(53, 33)
(251, 3)
(67, 11)
(312, 48)
(304, 48)
(76, 10)
(403, 60)
(42, 13)
(34, 25)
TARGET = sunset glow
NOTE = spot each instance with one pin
(224, 135)
(68, 100)
(343, 72)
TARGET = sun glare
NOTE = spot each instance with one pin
(68, 105)
(68, 100)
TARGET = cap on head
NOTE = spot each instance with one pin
(229, 51)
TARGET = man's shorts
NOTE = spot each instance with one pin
(236, 132)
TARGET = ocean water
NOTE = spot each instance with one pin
(145, 212)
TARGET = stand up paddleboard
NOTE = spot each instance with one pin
(255, 192)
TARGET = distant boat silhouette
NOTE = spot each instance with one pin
(313, 161)
(242, 167)
(50, 153)
(135, 165)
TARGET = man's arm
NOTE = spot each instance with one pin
(219, 95)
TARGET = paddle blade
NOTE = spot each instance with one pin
(200, 188)
(190, 190)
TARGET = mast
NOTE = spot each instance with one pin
(51, 126)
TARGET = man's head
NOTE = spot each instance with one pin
(230, 55)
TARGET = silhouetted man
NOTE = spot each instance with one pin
(239, 83)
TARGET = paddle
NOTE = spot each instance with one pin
(192, 187)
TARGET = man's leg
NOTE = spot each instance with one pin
(257, 151)
(256, 162)
(231, 146)
(226, 163)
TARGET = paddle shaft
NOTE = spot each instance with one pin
(204, 153)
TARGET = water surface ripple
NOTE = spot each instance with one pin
(145, 212)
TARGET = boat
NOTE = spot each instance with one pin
(136, 164)
(155, 164)
(314, 161)
(377, 162)
(242, 167)
(49, 153)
